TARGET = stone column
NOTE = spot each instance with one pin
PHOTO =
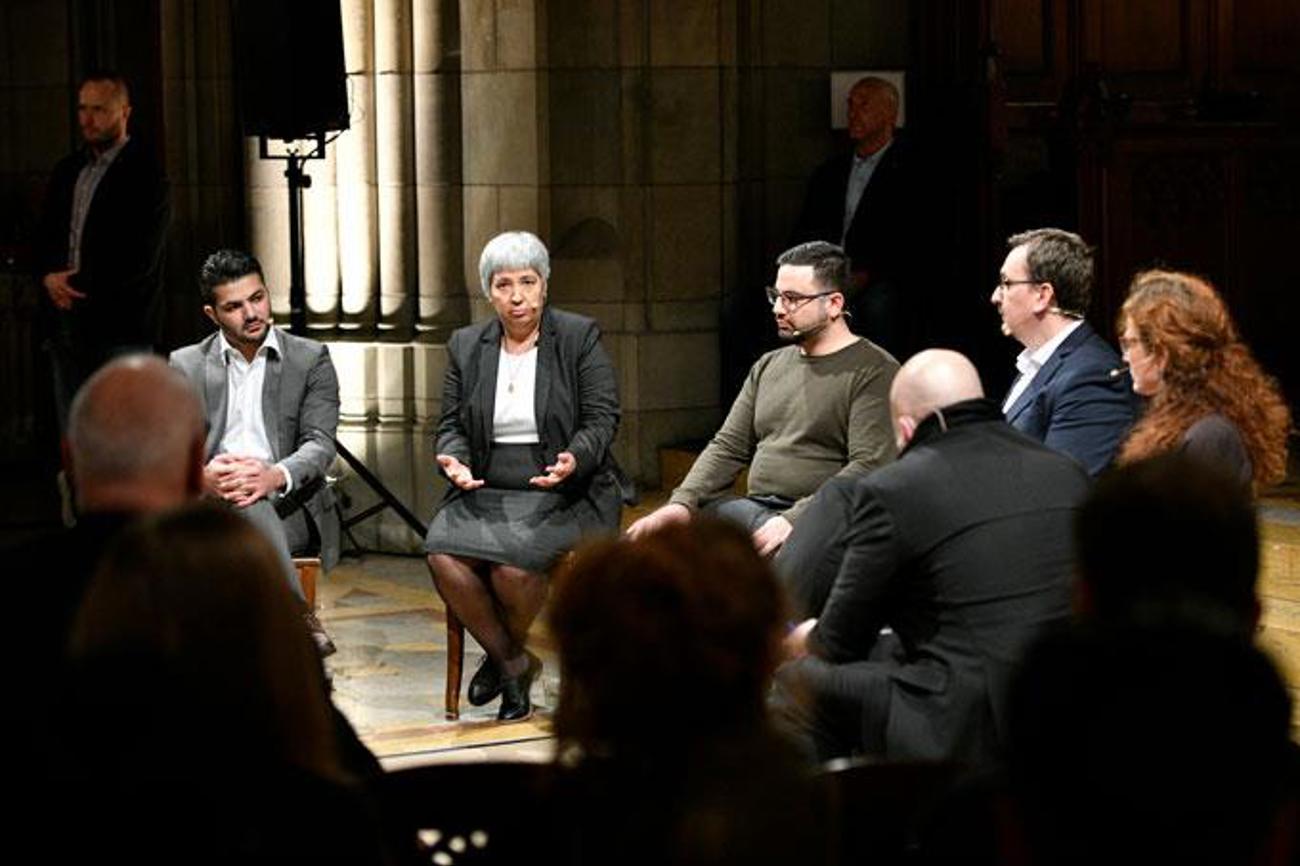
(358, 209)
(443, 302)
(395, 166)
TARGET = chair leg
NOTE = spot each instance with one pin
(308, 568)
(455, 663)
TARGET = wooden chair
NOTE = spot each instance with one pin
(308, 568)
(455, 665)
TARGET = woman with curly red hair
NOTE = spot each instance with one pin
(1208, 396)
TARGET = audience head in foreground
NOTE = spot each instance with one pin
(1169, 538)
(1208, 395)
(135, 438)
(928, 382)
(188, 634)
(667, 644)
(690, 611)
(1149, 744)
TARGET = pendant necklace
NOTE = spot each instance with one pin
(514, 369)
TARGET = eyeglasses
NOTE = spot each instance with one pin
(1005, 284)
(791, 300)
(1128, 344)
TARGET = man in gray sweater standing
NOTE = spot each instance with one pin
(813, 409)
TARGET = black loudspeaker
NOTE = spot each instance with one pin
(289, 67)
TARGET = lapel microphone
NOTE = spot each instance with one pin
(1117, 372)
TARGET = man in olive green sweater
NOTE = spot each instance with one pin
(816, 408)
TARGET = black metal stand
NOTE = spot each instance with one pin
(298, 181)
(386, 496)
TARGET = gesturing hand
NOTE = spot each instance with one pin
(458, 473)
(561, 469)
(664, 515)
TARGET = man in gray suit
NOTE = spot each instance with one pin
(271, 401)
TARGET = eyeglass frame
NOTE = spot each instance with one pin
(1005, 284)
(773, 296)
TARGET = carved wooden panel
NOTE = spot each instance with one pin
(1259, 57)
(1033, 39)
(1223, 202)
(1153, 50)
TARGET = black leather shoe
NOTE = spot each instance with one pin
(486, 683)
(515, 703)
(324, 645)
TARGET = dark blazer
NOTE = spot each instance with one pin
(300, 408)
(1075, 405)
(122, 247)
(879, 241)
(576, 404)
(963, 547)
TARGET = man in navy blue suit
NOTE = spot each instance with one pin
(1070, 393)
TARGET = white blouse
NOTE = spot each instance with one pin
(513, 419)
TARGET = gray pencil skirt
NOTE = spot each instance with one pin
(509, 522)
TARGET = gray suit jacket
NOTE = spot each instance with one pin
(300, 408)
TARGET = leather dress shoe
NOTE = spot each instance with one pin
(486, 683)
(515, 703)
(324, 645)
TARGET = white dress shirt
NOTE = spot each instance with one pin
(1029, 363)
(245, 434)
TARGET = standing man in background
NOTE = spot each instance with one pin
(863, 200)
(99, 249)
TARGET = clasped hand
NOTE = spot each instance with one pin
(241, 481)
(460, 475)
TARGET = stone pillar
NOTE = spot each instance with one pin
(394, 164)
(443, 303)
(358, 208)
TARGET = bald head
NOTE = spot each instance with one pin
(872, 114)
(135, 437)
(928, 381)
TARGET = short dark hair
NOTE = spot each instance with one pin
(225, 266)
(1063, 259)
(110, 75)
(830, 264)
(1170, 539)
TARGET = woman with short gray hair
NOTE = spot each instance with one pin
(529, 410)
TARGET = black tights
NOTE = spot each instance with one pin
(497, 603)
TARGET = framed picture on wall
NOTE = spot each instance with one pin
(842, 82)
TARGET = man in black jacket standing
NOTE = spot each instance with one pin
(99, 251)
(866, 201)
(962, 548)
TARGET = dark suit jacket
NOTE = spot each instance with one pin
(576, 403)
(300, 408)
(878, 242)
(962, 547)
(1073, 403)
(122, 247)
